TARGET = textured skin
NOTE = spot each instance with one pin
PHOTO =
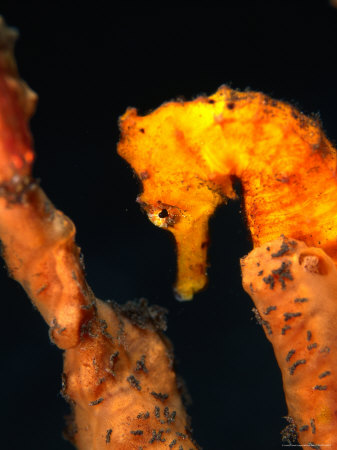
(187, 153)
(297, 308)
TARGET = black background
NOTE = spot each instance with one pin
(88, 64)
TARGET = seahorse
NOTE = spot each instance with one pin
(188, 156)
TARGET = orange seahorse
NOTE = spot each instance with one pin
(187, 155)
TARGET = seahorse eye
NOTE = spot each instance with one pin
(163, 213)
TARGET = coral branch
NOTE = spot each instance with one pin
(122, 381)
(17, 104)
(298, 315)
(118, 365)
(40, 252)
(38, 241)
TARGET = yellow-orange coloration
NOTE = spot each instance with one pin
(118, 373)
(187, 153)
(17, 104)
(294, 288)
(38, 240)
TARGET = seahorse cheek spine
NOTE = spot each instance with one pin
(295, 293)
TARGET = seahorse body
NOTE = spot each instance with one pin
(187, 154)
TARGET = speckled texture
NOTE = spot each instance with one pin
(294, 288)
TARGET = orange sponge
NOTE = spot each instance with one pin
(294, 288)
